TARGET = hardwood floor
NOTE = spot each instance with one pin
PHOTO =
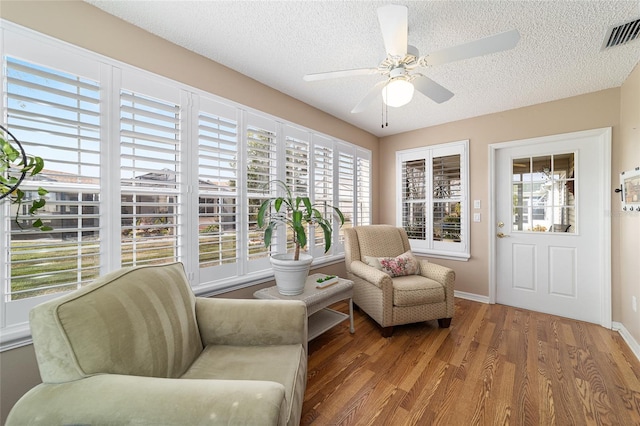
(495, 365)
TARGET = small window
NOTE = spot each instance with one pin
(433, 205)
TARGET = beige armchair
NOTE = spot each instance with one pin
(426, 293)
(137, 347)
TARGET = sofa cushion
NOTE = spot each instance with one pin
(415, 290)
(266, 363)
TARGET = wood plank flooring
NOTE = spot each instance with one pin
(495, 365)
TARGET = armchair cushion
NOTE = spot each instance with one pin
(416, 290)
(404, 264)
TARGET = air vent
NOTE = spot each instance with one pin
(622, 34)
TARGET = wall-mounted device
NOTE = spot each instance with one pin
(630, 189)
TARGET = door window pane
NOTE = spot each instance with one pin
(543, 193)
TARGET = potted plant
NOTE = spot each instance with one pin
(296, 213)
(15, 165)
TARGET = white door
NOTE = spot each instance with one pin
(551, 231)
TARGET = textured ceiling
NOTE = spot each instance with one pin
(276, 42)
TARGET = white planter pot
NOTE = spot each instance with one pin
(290, 274)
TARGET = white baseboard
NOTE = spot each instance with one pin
(635, 346)
(471, 296)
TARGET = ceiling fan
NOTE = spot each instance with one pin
(402, 61)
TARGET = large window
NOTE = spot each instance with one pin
(432, 188)
(145, 170)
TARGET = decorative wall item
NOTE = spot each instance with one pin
(630, 184)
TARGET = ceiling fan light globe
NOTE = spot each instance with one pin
(397, 93)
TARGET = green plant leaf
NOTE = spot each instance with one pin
(38, 204)
(326, 229)
(9, 151)
(296, 217)
(18, 196)
(278, 203)
(300, 234)
(340, 215)
(262, 211)
(307, 204)
(38, 166)
(267, 234)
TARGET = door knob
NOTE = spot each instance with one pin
(501, 235)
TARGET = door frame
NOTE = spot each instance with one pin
(604, 146)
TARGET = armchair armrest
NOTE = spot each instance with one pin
(446, 277)
(439, 273)
(119, 399)
(249, 322)
(370, 274)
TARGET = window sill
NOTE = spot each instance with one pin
(461, 257)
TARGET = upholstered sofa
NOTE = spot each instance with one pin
(137, 347)
(422, 295)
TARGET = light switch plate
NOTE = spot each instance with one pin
(476, 205)
(476, 217)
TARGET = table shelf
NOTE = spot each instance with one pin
(323, 320)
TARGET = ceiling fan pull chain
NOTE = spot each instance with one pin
(386, 107)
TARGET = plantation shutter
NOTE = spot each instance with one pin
(346, 188)
(150, 179)
(414, 200)
(322, 186)
(363, 189)
(296, 169)
(260, 171)
(447, 197)
(55, 115)
(218, 189)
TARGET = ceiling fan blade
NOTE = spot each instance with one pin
(393, 21)
(369, 98)
(484, 46)
(431, 89)
(337, 74)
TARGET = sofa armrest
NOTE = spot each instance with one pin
(119, 399)
(249, 322)
(370, 274)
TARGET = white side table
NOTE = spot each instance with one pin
(321, 318)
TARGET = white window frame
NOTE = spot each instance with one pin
(430, 246)
(33, 47)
